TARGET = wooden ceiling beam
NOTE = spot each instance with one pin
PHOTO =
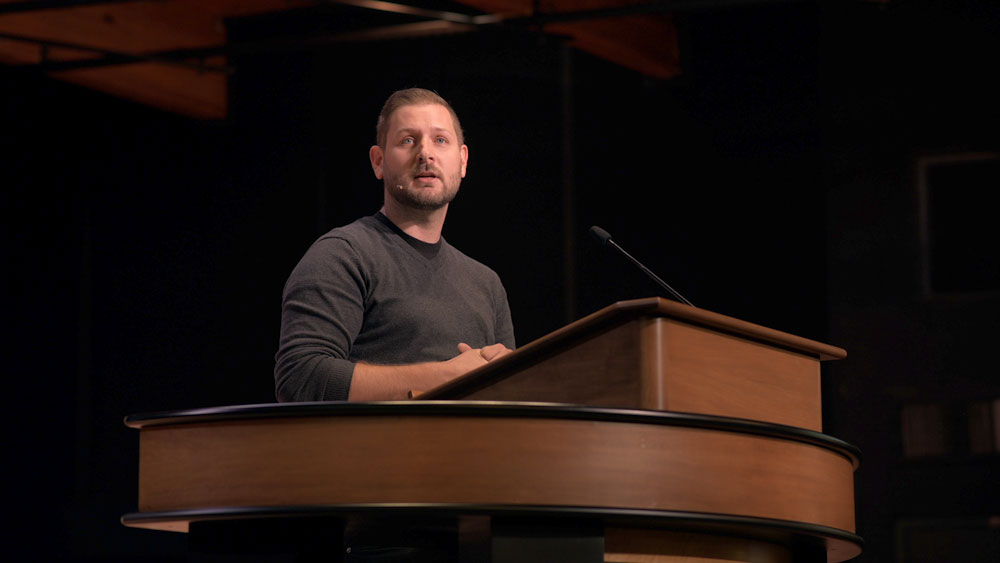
(137, 50)
(173, 53)
(42, 5)
(103, 57)
(635, 34)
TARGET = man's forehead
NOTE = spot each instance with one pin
(410, 115)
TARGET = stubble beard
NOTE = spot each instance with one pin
(398, 186)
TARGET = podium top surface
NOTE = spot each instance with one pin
(623, 312)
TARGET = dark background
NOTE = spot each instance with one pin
(782, 178)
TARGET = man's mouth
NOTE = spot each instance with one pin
(425, 176)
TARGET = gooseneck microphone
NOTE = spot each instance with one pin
(603, 237)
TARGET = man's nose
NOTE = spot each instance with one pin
(424, 152)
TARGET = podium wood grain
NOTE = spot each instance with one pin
(492, 461)
(661, 355)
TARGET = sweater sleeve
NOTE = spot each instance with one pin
(322, 313)
(504, 325)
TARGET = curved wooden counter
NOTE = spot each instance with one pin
(646, 475)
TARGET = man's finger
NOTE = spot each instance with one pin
(494, 351)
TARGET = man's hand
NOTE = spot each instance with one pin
(470, 358)
(488, 353)
(380, 383)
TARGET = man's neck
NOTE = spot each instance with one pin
(421, 224)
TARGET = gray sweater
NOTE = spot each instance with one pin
(370, 292)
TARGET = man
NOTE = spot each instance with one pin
(385, 306)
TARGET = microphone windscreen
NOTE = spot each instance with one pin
(600, 234)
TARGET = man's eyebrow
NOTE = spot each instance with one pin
(402, 130)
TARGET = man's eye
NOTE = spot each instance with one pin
(442, 140)
(408, 141)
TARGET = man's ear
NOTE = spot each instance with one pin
(465, 158)
(375, 155)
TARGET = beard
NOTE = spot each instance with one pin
(400, 186)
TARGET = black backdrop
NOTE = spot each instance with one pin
(145, 252)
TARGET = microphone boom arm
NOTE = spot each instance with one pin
(603, 236)
(649, 273)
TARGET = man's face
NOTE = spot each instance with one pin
(422, 163)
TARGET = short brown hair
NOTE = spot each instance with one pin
(411, 97)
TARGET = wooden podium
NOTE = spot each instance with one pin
(662, 355)
(649, 431)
